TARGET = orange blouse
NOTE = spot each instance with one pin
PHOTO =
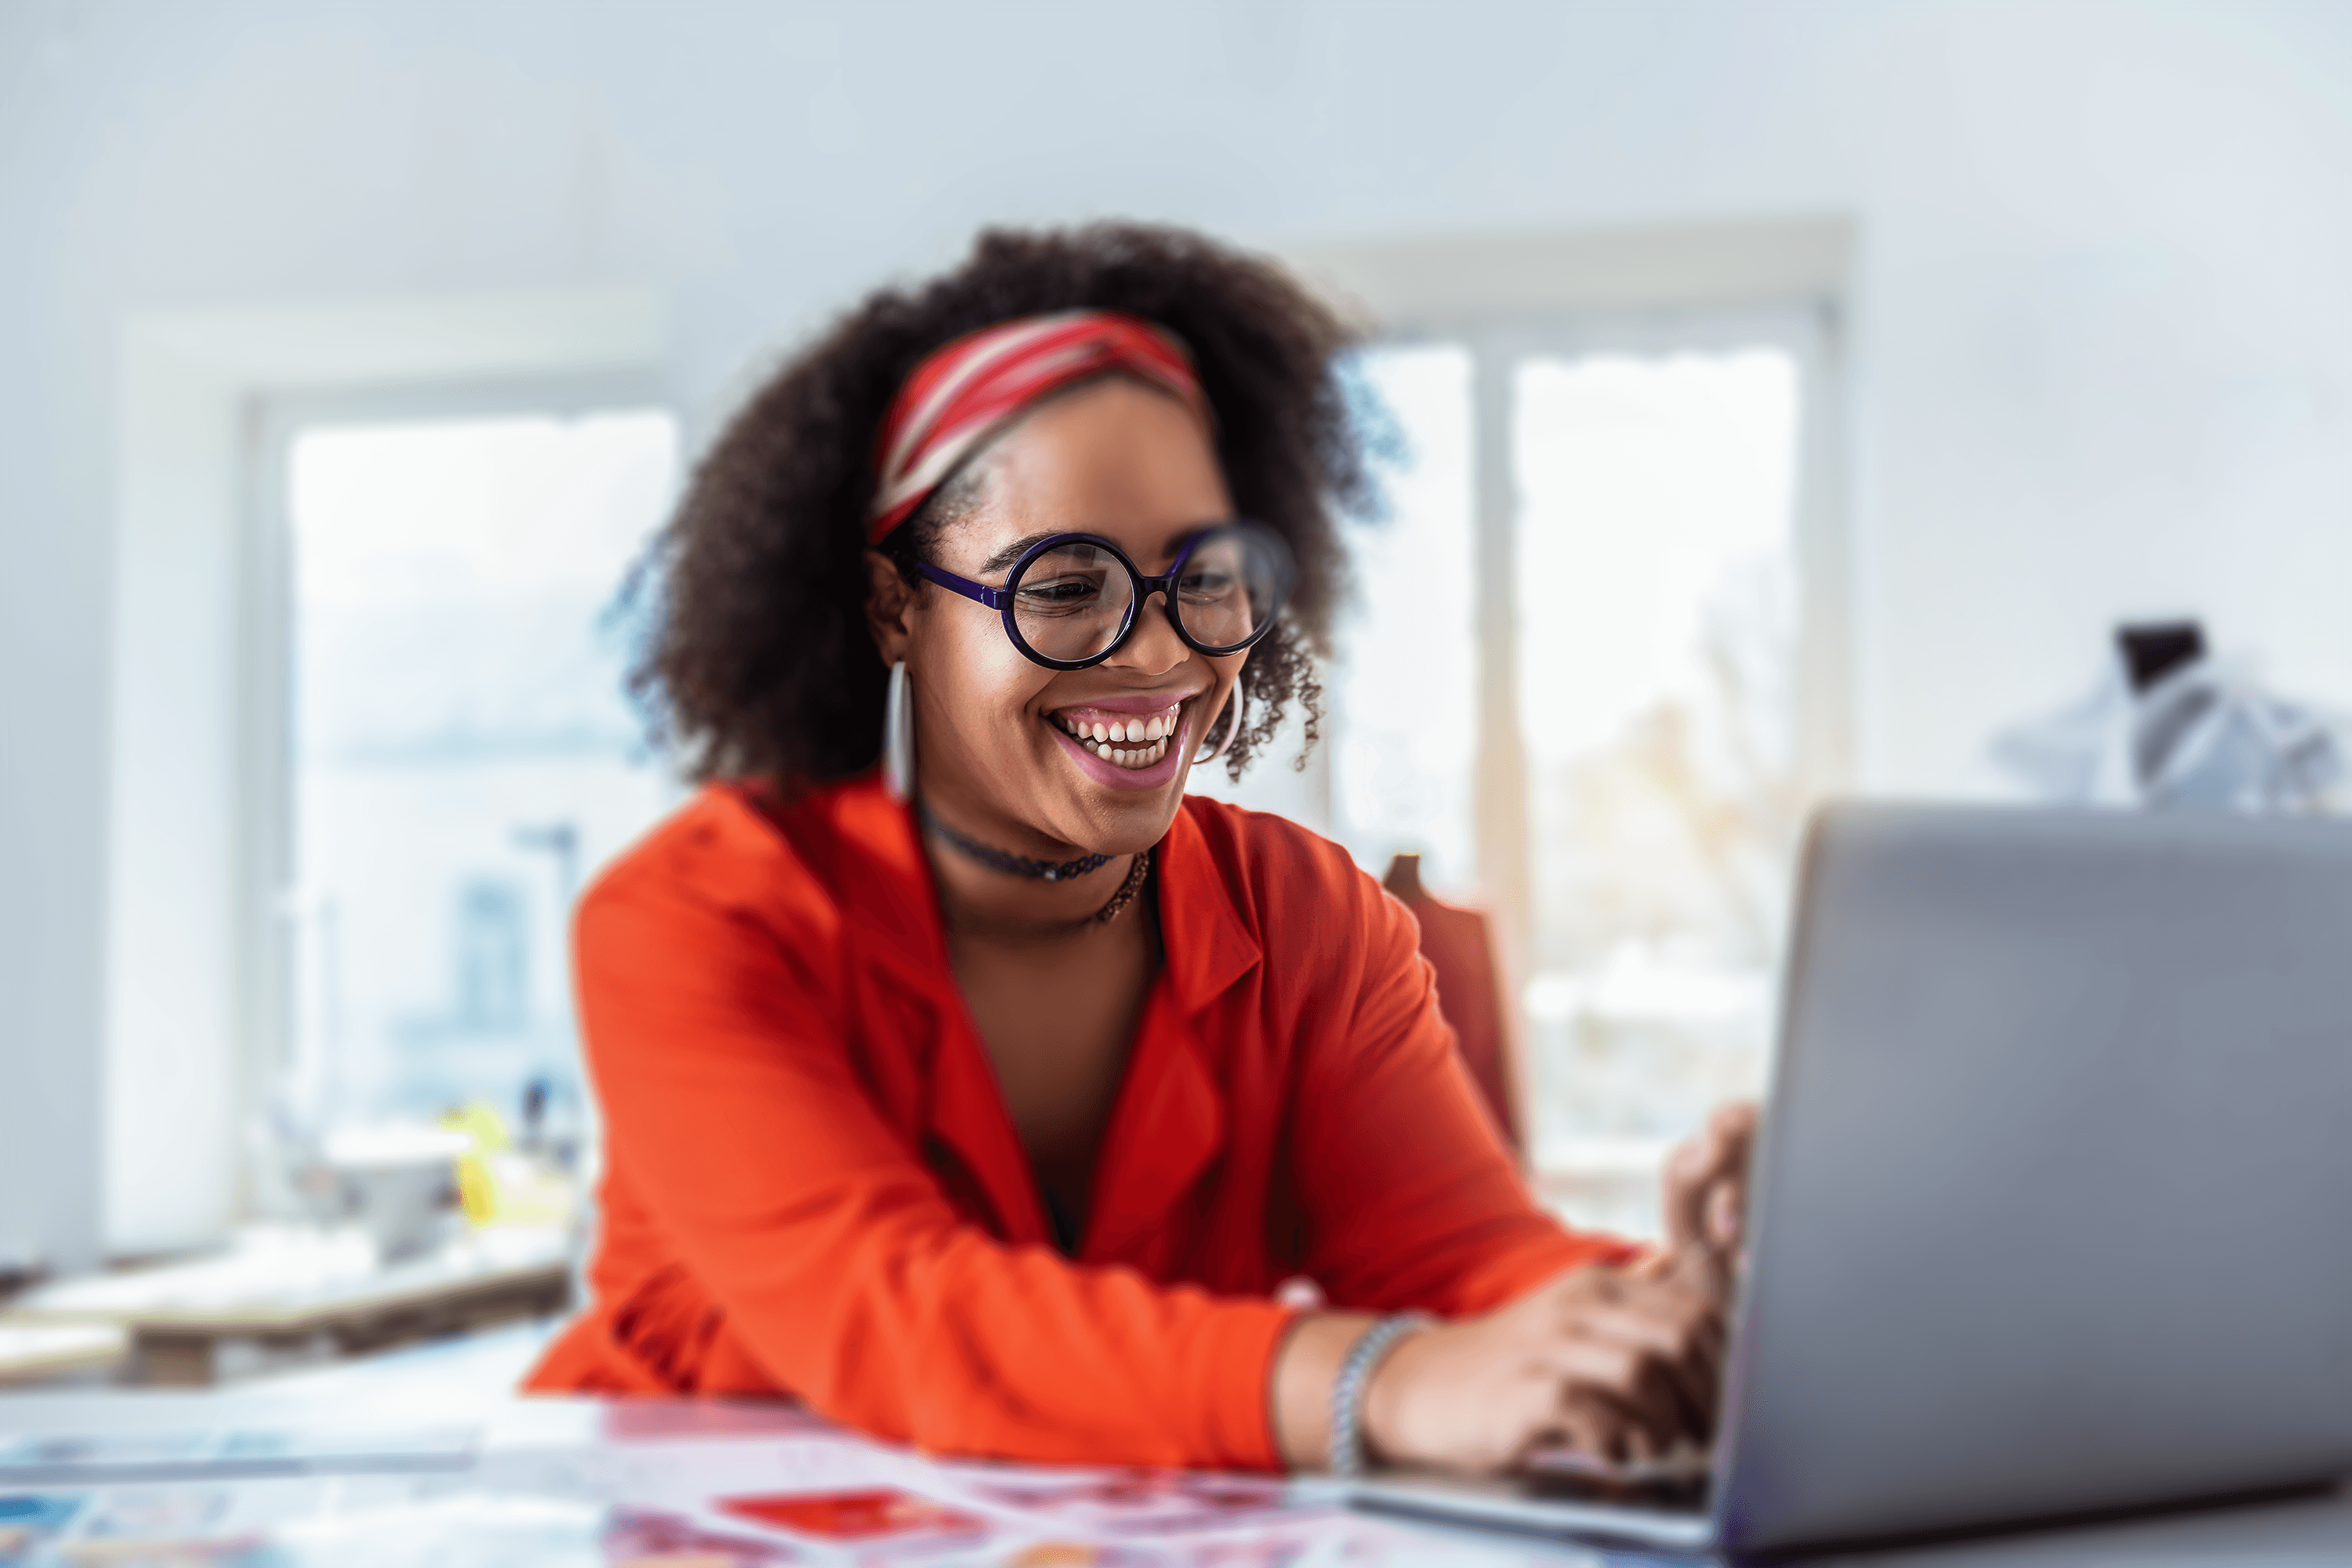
(814, 1188)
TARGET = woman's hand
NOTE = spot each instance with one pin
(1608, 1361)
(1620, 1363)
(1706, 1203)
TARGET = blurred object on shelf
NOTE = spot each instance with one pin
(19, 1271)
(398, 1180)
(1460, 946)
(2170, 726)
(54, 1352)
(502, 1182)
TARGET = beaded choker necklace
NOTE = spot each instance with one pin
(1012, 928)
(1013, 865)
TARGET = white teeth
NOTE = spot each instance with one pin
(1128, 756)
(1130, 742)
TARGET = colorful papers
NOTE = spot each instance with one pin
(731, 1492)
(655, 1538)
(1138, 1503)
(867, 1516)
(29, 1520)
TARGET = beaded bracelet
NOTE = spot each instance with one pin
(1363, 1359)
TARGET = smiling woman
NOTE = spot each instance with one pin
(988, 1098)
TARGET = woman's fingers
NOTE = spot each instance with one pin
(1593, 1423)
(1584, 1426)
(1706, 1193)
(1682, 1359)
(1693, 1167)
(1619, 1364)
(1655, 1344)
(1633, 1377)
(1663, 1310)
(1727, 1220)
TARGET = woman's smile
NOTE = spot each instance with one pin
(1130, 735)
(1128, 742)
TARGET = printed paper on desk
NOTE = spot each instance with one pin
(469, 1529)
(30, 1519)
(1138, 1502)
(124, 1451)
(1251, 1549)
(870, 1516)
(160, 1512)
(1079, 1555)
(168, 1524)
(425, 1449)
(104, 1458)
(657, 1538)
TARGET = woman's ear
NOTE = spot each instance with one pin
(889, 607)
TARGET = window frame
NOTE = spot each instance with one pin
(1503, 297)
(270, 937)
(1808, 330)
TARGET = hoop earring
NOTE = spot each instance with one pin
(1234, 710)
(899, 736)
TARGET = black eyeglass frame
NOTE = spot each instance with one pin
(1000, 600)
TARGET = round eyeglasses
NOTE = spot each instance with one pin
(1071, 599)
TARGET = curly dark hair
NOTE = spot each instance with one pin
(759, 662)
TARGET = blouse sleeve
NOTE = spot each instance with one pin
(1411, 1200)
(721, 1058)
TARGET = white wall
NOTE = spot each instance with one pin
(2104, 292)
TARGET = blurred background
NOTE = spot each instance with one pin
(1775, 400)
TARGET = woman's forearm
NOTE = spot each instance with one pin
(1300, 1389)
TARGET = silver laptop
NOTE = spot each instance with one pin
(2053, 1208)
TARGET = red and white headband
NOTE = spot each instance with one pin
(969, 389)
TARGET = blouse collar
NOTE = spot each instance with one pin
(1169, 1121)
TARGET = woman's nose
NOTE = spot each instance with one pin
(1153, 646)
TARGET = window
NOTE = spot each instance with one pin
(1405, 691)
(1581, 682)
(459, 755)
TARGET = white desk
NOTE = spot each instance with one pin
(551, 1480)
(296, 1291)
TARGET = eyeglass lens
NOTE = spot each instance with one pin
(1229, 586)
(1074, 601)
